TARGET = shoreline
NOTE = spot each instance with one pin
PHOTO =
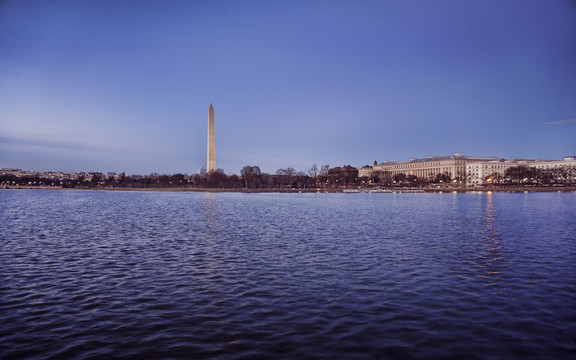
(520, 189)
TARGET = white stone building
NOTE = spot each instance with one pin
(477, 173)
(427, 168)
(365, 171)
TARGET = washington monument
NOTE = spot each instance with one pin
(211, 165)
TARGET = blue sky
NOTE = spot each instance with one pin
(126, 85)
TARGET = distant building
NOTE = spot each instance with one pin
(54, 175)
(365, 171)
(10, 171)
(345, 170)
(427, 168)
(478, 172)
(90, 175)
(343, 176)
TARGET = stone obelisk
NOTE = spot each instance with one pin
(211, 165)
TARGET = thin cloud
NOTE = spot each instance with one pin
(560, 122)
(65, 144)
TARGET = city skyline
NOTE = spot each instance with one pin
(92, 87)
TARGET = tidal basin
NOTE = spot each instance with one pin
(103, 275)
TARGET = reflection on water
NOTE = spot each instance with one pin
(220, 275)
(493, 259)
(209, 216)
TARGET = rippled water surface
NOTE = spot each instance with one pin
(87, 274)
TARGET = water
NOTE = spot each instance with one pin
(89, 275)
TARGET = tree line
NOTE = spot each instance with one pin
(251, 177)
(385, 178)
(515, 175)
(530, 175)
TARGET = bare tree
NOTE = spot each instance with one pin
(314, 171)
(291, 173)
(256, 175)
(251, 175)
(521, 173)
(246, 174)
(216, 178)
(286, 176)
